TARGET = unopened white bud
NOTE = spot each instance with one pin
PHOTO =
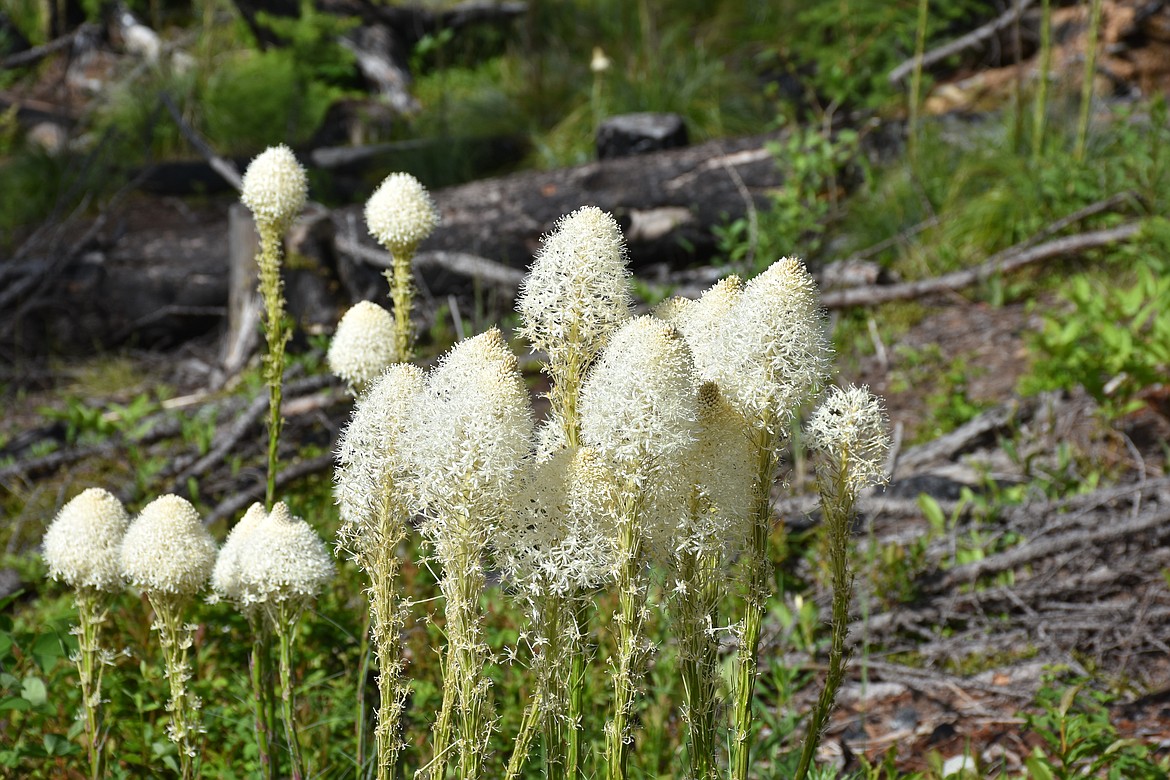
(275, 186)
(166, 550)
(400, 213)
(363, 346)
(83, 542)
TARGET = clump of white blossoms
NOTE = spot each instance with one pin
(283, 563)
(82, 545)
(275, 187)
(169, 556)
(400, 213)
(82, 548)
(371, 491)
(167, 553)
(225, 576)
(573, 299)
(466, 443)
(363, 346)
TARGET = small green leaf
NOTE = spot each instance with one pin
(33, 690)
(57, 745)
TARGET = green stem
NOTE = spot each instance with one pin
(577, 664)
(175, 638)
(91, 613)
(529, 724)
(261, 692)
(757, 575)
(287, 616)
(698, 662)
(632, 586)
(401, 279)
(442, 728)
(271, 290)
(363, 672)
(836, 509)
(916, 80)
(1087, 80)
(1040, 109)
(464, 631)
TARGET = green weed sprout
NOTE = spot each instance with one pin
(849, 430)
(82, 548)
(639, 411)
(575, 296)
(371, 479)
(274, 189)
(400, 214)
(225, 584)
(363, 346)
(168, 555)
(468, 436)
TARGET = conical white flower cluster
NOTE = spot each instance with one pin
(284, 560)
(83, 543)
(400, 213)
(275, 186)
(370, 454)
(577, 292)
(225, 577)
(363, 345)
(468, 436)
(850, 427)
(167, 551)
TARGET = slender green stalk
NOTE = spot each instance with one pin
(836, 509)
(271, 290)
(175, 638)
(577, 665)
(363, 671)
(916, 79)
(401, 280)
(632, 592)
(258, 667)
(91, 661)
(287, 616)
(441, 730)
(386, 617)
(1040, 107)
(464, 583)
(1091, 41)
(757, 576)
(529, 725)
(698, 661)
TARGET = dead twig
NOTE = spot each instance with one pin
(972, 39)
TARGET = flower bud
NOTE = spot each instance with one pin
(225, 577)
(275, 187)
(82, 543)
(400, 213)
(283, 559)
(363, 345)
(166, 550)
(850, 427)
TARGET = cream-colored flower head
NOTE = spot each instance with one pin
(167, 551)
(400, 213)
(721, 468)
(469, 435)
(82, 543)
(850, 427)
(577, 292)
(283, 559)
(275, 186)
(638, 405)
(775, 349)
(560, 537)
(225, 577)
(363, 346)
(370, 453)
(704, 324)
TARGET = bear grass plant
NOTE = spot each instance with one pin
(646, 487)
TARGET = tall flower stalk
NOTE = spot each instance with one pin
(400, 214)
(766, 346)
(1092, 39)
(168, 555)
(375, 510)
(466, 443)
(849, 430)
(274, 189)
(575, 296)
(639, 411)
(82, 547)
(1040, 107)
